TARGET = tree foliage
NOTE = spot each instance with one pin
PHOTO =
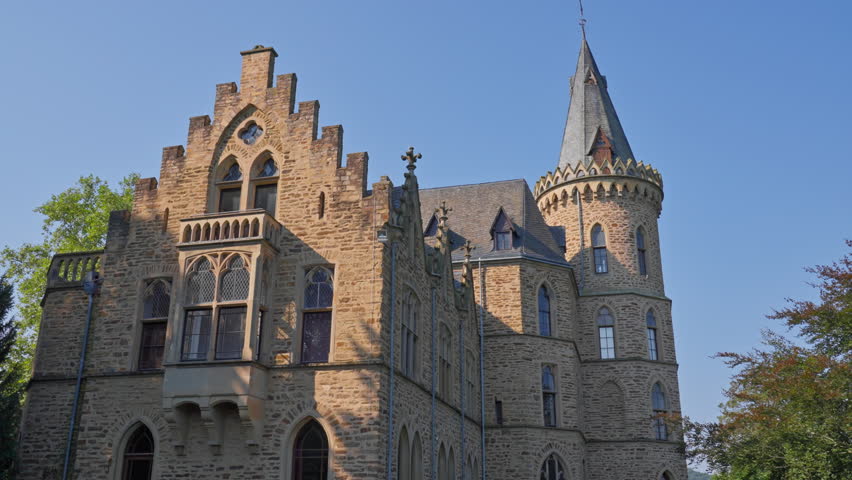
(74, 220)
(788, 414)
(11, 389)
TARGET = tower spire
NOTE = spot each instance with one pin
(592, 130)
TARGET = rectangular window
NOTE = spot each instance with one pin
(652, 343)
(316, 337)
(265, 196)
(229, 333)
(498, 411)
(643, 268)
(503, 240)
(660, 430)
(607, 341)
(196, 335)
(229, 199)
(600, 260)
(548, 395)
(153, 345)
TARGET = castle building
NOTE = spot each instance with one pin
(263, 313)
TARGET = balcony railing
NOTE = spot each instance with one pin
(69, 269)
(229, 227)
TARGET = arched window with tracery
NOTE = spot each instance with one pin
(230, 188)
(408, 351)
(660, 407)
(265, 186)
(651, 324)
(155, 313)
(606, 333)
(310, 453)
(552, 469)
(138, 455)
(599, 249)
(316, 316)
(544, 324)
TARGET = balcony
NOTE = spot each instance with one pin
(228, 228)
(69, 269)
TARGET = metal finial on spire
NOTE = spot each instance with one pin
(582, 19)
(411, 158)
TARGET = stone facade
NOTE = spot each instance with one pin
(429, 327)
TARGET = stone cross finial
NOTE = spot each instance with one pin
(411, 158)
(467, 247)
(442, 212)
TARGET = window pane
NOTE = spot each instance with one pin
(200, 283)
(229, 336)
(235, 282)
(543, 312)
(269, 169)
(316, 336)
(233, 174)
(607, 342)
(196, 335)
(549, 401)
(652, 343)
(504, 240)
(152, 346)
(600, 260)
(229, 199)
(265, 197)
(643, 268)
(598, 237)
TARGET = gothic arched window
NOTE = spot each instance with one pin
(408, 353)
(651, 324)
(416, 458)
(552, 469)
(606, 333)
(640, 251)
(234, 284)
(659, 406)
(200, 283)
(155, 312)
(310, 453)
(599, 249)
(442, 464)
(544, 325)
(403, 470)
(265, 184)
(316, 317)
(138, 462)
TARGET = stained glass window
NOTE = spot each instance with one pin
(640, 251)
(606, 333)
(138, 455)
(599, 249)
(200, 282)
(251, 133)
(233, 174)
(543, 312)
(310, 453)
(552, 469)
(235, 281)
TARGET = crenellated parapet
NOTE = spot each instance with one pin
(630, 171)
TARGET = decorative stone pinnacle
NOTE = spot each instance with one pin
(468, 247)
(442, 212)
(411, 158)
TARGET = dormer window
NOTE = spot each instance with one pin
(501, 231)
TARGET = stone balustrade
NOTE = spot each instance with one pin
(69, 269)
(229, 227)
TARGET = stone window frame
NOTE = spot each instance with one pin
(328, 447)
(550, 393)
(409, 352)
(144, 285)
(219, 262)
(288, 448)
(301, 310)
(651, 324)
(614, 330)
(552, 313)
(599, 250)
(121, 444)
(255, 180)
(552, 458)
(221, 185)
(642, 251)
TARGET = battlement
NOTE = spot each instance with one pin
(604, 170)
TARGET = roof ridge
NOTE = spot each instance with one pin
(475, 184)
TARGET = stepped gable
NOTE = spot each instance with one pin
(475, 209)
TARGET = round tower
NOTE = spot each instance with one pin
(608, 204)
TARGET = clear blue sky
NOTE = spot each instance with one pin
(744, 106)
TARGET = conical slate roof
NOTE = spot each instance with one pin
(591, 111)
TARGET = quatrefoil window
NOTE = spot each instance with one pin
(251, 133)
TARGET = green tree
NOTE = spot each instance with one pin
(788, 414)
(74, 220)
(11, 388)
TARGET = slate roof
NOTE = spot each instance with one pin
(475, 208)
(590, 109)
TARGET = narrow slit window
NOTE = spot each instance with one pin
(660, 407)
(544, 324)
(599, 249)
(548, 396)
(651, 323)
(640, 251)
